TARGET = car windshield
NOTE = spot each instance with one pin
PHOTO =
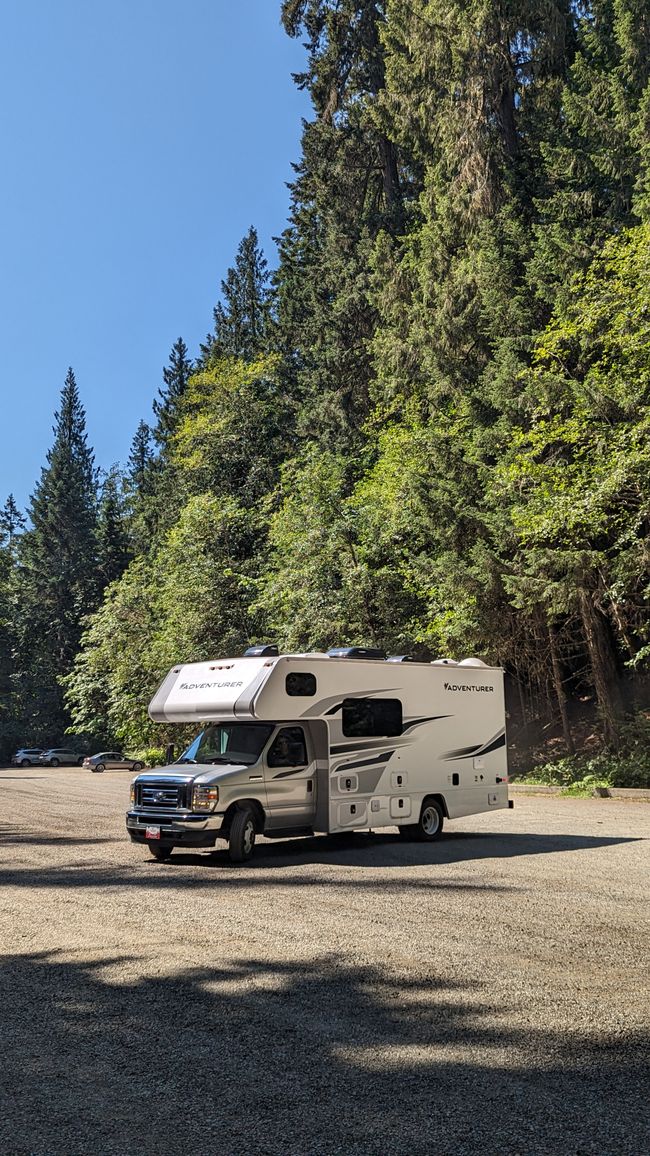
(234, 743)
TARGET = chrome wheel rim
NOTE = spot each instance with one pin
(430, 820)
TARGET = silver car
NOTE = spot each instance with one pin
(26, 757)
(60, 757)
(112, 761)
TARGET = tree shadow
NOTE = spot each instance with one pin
(317, 1057)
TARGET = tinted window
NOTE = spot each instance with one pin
(367, 717)
(301, 684)
(288, 748)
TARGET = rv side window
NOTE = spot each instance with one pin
(364, 717)
(301, 684)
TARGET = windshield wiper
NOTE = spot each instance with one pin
(185, 760)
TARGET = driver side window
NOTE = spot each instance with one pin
(288, 748)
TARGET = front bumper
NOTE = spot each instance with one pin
(186, 830)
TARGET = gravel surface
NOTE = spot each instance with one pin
(486, 994)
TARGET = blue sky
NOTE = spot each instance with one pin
(140, 140)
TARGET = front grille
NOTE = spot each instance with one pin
(163, 796)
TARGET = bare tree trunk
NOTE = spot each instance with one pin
(603, 667)
(559, 691)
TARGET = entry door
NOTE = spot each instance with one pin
(290, 774)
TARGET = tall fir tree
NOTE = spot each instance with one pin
(165, 407)
(242, 318)
(113, 543)
(59, 581)
(12, 523)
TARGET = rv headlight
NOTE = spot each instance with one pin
(204, 798)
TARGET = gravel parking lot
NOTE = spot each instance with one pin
(486, 994)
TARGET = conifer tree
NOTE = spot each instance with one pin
(113, 547)
(59, 584)
(12, 523)
(175, 376)
(242, 318)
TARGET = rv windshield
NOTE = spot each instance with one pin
(234, 743)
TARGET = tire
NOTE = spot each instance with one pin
(136, 767)
(241, 838)
(431, 821)
(80, 762)
(99, 768)
(160, 851)
(25, 763)
(54, 762)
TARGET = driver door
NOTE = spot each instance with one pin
(290, 774)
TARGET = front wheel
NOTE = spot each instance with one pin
(160, 851)
(54, 762)
(99, 767)
(241, 839)
(136, 767)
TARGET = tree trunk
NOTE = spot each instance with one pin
(559, 691)
(603, 667)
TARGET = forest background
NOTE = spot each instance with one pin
(426, 430)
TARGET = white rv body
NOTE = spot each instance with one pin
(444, 740)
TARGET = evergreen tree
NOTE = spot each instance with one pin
(242, 318)
(351, 184)
(113, 546)
(59, 566)
(176, 376)
(12, 523)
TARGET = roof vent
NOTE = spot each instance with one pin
(263, 651)
(473, 662)
(400, 658)
(444, 662)
(355, 652)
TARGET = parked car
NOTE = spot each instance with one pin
(26, 757)
(60, 756)
(113, 760)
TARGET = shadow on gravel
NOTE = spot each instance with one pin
(374, 850)
(308, 1058)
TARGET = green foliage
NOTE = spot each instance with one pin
(582, 774)
(427, 429)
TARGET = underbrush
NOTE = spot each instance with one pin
(582, 774)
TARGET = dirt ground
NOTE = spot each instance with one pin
(486, 994)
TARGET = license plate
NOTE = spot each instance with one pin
(152, 833)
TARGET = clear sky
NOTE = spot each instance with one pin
(140, 140)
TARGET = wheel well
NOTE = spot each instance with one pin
(440, 800)
(255, 806)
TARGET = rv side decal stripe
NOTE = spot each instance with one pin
(484, 749)
(286, 774)
(383, 758)
(418, 722)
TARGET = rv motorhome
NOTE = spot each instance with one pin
(306, 743)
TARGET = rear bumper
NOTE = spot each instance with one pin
(185, 830)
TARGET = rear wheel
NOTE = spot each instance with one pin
(428, 827)
(431, 821)
(160, 851)
(80, 762)
(25, 763)
(241, 839)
